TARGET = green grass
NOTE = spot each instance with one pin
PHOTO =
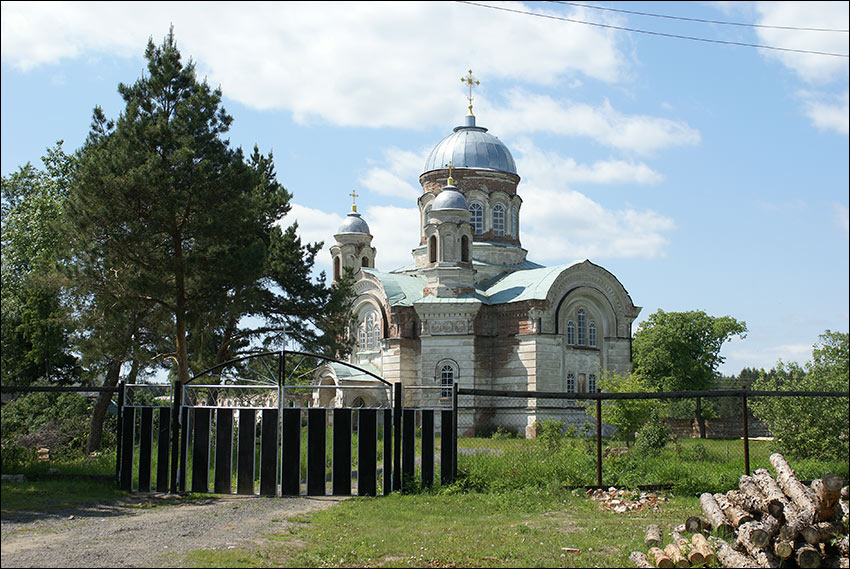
(691, 466)
(45, 495)
(512, 529)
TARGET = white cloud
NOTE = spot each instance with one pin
(560, 225)
(315, 225)
(828, 112)
(397, 166)
(811, 68)
(551, 169)
(396, 231)
(528, 113)
(367, 64)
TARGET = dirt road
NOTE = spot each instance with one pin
(145, 531)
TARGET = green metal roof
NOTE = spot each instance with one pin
(402, 290)
(531, 284)
(515, 286)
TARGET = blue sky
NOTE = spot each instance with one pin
(704, 175)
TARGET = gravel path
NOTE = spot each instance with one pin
(131, 533)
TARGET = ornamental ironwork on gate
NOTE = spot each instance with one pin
(286, 423)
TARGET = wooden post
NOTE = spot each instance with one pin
(746, 431)
(599, 440)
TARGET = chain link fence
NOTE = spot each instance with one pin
(692, 441)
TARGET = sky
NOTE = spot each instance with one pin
(698, 151)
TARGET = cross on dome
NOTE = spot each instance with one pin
(471, 82)
(354, 195)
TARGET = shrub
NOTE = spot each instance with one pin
(58, 421)
(550, 433)
(653, 435)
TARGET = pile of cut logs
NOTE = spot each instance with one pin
(768, 522)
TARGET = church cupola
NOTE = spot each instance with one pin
(448, 235)
(484, 172)
(353, 249)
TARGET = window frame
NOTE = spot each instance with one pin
(499, 225)
(477, 218)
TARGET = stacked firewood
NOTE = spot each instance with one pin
(768, 522)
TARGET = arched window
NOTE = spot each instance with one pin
(591, 383)
(464, 249)
(432, 249)
(365, 262)
(336, 268)
(571, 333)
(591, 334)
(477, 219)
(358, 402)
(571, 383)
(582, 327)
(499, 220)
(369, 333)
(447, 380)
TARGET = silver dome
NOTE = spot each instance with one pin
(470, 146)
(449, 198)
(354, 224)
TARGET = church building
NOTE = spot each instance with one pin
(471, 308)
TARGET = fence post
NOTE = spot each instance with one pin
(397, 409)
(176, 400)
(700, 420)
(120, 414)
(746, 430)
(599, 439)
(454, 431)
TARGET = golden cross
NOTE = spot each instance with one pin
(471, 82)
(354, 196)
(450, 181)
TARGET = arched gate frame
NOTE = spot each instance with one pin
(295, 446)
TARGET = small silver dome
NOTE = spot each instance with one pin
(470, 146)
(354, 224)
(449, 198)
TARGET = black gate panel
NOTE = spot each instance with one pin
(367, 452)
(447, 444)
(316, 451)
(163, 446)
(408, 445)
(291, 453)
(427, 448)
(201, 450)
(223, 451)
(342, 452)
(146, 449)
(247, 450)
(268, 453)
(388, 452)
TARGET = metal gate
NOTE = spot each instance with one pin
(262, 425)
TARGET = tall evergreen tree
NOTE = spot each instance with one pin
(177, 231)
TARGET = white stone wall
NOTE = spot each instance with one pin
(619, 354)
